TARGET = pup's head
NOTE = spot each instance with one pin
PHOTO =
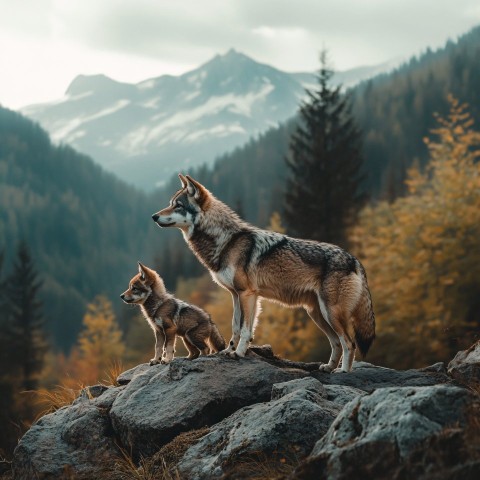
(185, 206)
(140, 286)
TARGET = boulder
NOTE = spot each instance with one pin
(465, 367)
(75, 441)
(165, 400)
(368, 377)
(287, 426)
(386, 423)
(410, 432)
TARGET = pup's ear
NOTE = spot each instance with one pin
(142, 271)
(196, 190)
(183, 180)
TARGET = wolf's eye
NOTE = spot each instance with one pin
(178, 205)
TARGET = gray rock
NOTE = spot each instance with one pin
(412, 432)
(163, 401)
(73, 442)
(310, 384)
(341, 394)
(287, 426)
(368, 377)
(465, 366)
(127, 376)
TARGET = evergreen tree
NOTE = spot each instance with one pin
(24, 322)
(323, 192)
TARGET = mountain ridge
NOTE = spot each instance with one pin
(169, 122)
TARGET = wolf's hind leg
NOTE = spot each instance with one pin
(315, 314)
(337, 319)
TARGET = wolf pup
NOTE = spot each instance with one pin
(253, 264)
(170, 317)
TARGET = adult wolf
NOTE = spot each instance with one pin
(253, 264)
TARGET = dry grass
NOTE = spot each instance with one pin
(147, 469)
(115, 369)
(48, 401)
(160, 466)
(260, 466)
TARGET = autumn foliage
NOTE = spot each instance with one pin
(422, 251)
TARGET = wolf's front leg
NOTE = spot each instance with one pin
(236, 319)
(249, 307)
(159, 341)
(170, 339)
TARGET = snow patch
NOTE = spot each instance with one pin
(62, 131)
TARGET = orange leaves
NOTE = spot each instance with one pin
(422, 252)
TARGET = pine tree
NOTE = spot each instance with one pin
(24, 322)
(323, 192)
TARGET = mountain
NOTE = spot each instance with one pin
(395, 112)
(147, 131)
(85, 228)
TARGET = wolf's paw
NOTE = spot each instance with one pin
(166, 361)
(154, 361)
(325, 367)
(339, 370)
(192, 357)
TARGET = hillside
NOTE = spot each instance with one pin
(85, 228)
(147, 131)
(395, 112)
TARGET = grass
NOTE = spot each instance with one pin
(115, 369)
(260, 466)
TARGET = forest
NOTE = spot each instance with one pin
(71, 234)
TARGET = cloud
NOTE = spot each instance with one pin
(135, 39)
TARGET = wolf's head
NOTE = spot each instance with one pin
(185, 206)
(141, 285)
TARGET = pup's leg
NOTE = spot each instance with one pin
(193, 351)
(170, 339)
(197, 338)
(159, 341)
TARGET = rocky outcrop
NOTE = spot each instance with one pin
(372, 422)
(163, 401)
(465, 367)
(288, 425)
(395, 430)
(75, 441)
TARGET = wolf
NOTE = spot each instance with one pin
(254, 264)
(170, 317)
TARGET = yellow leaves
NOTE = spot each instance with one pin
(99, 344)
(422, 251)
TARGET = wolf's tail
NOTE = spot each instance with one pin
(216, 339)
(363, 316)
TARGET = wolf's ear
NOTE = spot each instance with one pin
(183, 180)
(196, 190)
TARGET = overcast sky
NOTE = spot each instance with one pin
(44, 44)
